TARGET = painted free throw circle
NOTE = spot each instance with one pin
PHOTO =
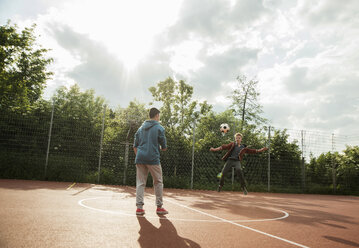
(124, 213)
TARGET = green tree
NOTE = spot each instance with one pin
(245, 102)
(76, 105)
(76, 134)
(319, 170)
(178, 112)
(348, 169)
(23, 68)
(208, 164)
(285, 160)
(118, 156)
(132, 117)
(208, 133)
(165, 92)
(23, 141)
(178, 109)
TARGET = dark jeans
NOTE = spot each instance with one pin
(228, 166)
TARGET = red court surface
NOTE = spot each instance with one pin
(53, 214)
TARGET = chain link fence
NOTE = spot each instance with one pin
(48, 145)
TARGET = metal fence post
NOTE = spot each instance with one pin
(194, 140)
(302, 165)
(334, 171)
(49, 139)
(126, 156)
(268, 171)
(126, 162)
(234, 132)
(101, 142)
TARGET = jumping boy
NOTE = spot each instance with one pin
(233, 158)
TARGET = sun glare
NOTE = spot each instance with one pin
(126, 28)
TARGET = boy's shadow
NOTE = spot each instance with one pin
(164, 236)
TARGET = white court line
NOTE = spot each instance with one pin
(236, 224)
(81, 203)
(198, 211)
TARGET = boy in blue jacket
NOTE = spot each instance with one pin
(149, 140)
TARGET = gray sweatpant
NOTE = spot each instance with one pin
(141, 179)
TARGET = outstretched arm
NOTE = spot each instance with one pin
(262, 149)
(216, 149)
(252, 151)
(222, 147)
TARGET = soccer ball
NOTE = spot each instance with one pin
(224, 128)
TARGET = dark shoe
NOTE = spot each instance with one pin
(245, 192)
(161, 211)
(219, 188)
(140, 211)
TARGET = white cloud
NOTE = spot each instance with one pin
(303, 53)
(184, 57)
(126, 28)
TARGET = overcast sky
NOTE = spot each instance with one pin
(303, 53)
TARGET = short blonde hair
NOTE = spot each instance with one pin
(238, 134)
